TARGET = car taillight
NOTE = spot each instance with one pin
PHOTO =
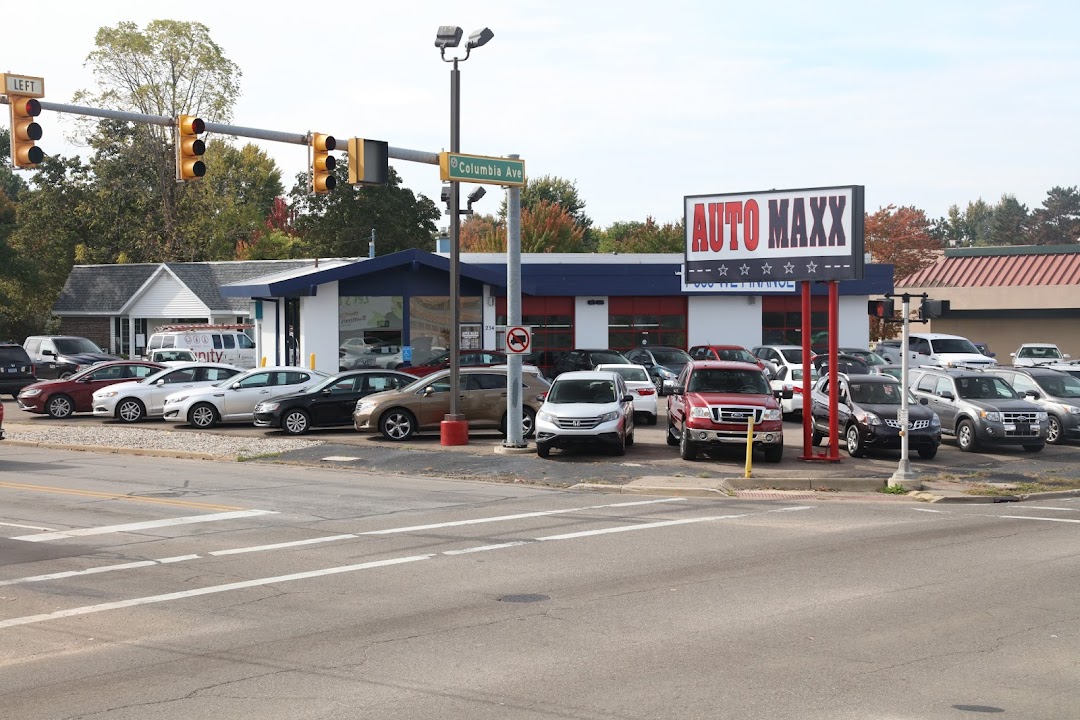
(646, 391)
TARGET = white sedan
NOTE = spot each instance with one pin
(791, 378)
(640, 386)
(234, 399)
(135, 401)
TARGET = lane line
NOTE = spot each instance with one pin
(645, 526)
(95, 570)
(929, 510)
(1043, 507)
(145, 525)
(116, 496)
(151, 599)
(485, 548)
(519, 516)
(1045, 519)
(276, 546)
(27, 527)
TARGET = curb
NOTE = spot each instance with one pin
(151, 452)
(714, 493)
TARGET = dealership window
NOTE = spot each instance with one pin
(646, 321)
(121, 330)
(552, 323)
(781, 321)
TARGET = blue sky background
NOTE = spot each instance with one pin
(640, 103)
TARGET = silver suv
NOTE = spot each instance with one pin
(1057, 392)
(979, 408)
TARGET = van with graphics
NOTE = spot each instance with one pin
(211, 343)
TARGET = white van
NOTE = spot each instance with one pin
(211, 343)
(945, 351)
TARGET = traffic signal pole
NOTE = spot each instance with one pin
(905, 475)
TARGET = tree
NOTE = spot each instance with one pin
(169, 68)
(978, 219)
(1008, 225)
(10, 183)
(339, 223)
(642, 237)
(547, 227)
(901, 237)
(1057, 222)
(482, 233)
(561, 192)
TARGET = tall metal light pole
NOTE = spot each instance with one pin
(454, 429)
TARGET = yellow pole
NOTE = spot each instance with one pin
(312, 361)
(749, 445)
(263, 363)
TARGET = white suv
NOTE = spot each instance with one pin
(586, 407)
(945, 351)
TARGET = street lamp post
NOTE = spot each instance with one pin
(454, 429)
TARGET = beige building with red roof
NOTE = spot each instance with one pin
(1005, 296)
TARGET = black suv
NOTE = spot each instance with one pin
(579, 359)
(867, 415)
(1057, 392)
(979, 408)
(16, 369)
(60, 356)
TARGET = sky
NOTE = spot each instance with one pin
(927, 104)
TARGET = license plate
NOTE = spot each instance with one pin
(12, 370)
(1009, 427)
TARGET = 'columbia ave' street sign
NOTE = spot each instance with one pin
(455, 167)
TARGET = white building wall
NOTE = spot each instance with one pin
(487, 317)
(267, 333)
(590, 322)
(854, 322)
(723, 320)
(319, 328)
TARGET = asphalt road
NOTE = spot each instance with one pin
(155, 588)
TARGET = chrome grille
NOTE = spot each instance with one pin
(587, 423)
(917, 425)
(1020, 417)
(735, 414)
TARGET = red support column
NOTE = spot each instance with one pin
(834, 351)
(808, 450)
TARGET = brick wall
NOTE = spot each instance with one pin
(95, 329)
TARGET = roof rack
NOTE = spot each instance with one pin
(184, 328)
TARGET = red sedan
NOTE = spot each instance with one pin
(61, 398)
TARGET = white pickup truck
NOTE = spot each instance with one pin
(1031, 354)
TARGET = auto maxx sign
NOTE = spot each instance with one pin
(776, 235)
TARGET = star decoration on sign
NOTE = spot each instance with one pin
(811, 267)
(766, 269)
(723, 270)
(744, 269)
(789, 268)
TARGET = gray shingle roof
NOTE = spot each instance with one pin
(105, 289)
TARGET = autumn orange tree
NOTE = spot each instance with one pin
(900, 237)
(546, 227)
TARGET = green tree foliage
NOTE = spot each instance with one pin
(1008, 225)
(339, 223)
(563, 193)
(547, 227)
(10, 183)
(642, 237)
(483, 233)
(1057, 222)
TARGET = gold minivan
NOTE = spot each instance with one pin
(422, 405)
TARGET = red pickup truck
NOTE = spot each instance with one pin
(712, 402)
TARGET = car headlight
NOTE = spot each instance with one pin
(609, 416)
(700, 412)
(545, 417)
(107, 394)
(935, 421)
(1072, 409)
(267, 407)
(1041, 417)
(31, 392)
(992, 416)
(664, 372)
(771, 415)
(364, 406)
(871, 419)
(175, 400)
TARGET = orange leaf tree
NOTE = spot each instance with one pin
(900, 237)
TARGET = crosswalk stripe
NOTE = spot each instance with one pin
(145, 525)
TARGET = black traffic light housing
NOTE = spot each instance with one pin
(933, 308)
(883, 309)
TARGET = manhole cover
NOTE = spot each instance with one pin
(528, 598)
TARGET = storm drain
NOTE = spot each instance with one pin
(774, 495)
(527, 598)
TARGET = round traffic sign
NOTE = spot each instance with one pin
(518, 340)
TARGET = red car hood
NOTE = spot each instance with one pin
(711, 398)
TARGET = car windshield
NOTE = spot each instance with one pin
(792, 355)
(984, 388)
(1063, 385)
(631, 373)
(671, 357)
(955, 345)
(738, 355)
(1041, 352)
(876, 393)
(868, 357)
(74, 346)
(748, 382)
(580, 390)
(609, 357)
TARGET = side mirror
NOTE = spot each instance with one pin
(948, 395)
(678, 390)
(923, 401)
(1012, 355)
(160, 382)
(325, 392)
(1033, 394)
(235, 386)
(1066, 356)
(628, 398)
(48, 353)
(429, 390)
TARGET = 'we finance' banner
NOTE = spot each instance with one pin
(777, 235)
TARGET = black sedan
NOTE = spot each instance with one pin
(328, 404)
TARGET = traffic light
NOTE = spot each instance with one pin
(25, 131)
(369, 162)
(322, 163)
(189, 148)
(933, 308)
(884, 309)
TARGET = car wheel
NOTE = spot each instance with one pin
(658, 382)
(397, 424)
(928, 452)
(965, 436)
(630, 439)
(543, 450)
(130, 410)
(815, 437)
(854, 441)
(774, 453)
(1053, 430)
(619, 448)
(203, 415)
(687, 451)
(295, 422)
(528, 422)
(60, 406)
(651, 419)
(1033, 448)
(672, 436)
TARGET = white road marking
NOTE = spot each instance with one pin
(646, 526)
(27, 527)
(929, 510)
(792, 509)
(1031, 517)
(1043, 507)
(96, 570)
(276, 546)
(151, 599)
(146, 525)
(485, 548)
(340, 458)
(519, 516)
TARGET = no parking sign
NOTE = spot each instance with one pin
(518, 340)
